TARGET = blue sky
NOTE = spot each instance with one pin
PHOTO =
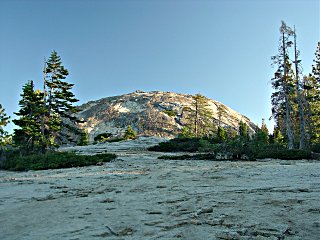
(221, 49)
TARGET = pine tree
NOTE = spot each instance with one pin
(59, 118)
(243, 131)
(4, 137)
(222, 134)
(283, 83)
(277, 137)
(221, 111)
(262, 134)
(312, 100)
(316, 66)
(199, 116)
(130, 133)
(4, 120)
(28, 136)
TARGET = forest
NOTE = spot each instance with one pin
(46, 119)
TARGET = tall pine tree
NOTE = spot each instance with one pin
(28, 135)
(312, 100)
(199, 117)
(59, 100)
(46, 119)
(283, 84)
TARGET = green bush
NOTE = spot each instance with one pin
(130, 133)
(102, 137)
(206, 146)
(170, 113)
(283, 153)
(177, 145)
(207, 156)
(53, 161)
(237, 147)
(315, 148)
(84, 138)
(115, 140)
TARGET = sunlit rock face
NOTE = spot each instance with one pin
(149, 114)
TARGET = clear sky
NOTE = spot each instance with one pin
(221, 48)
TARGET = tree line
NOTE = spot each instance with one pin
(46, 118)
(295, 105)
(296, 97)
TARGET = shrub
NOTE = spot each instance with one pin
(84, 138)
(237, 147)
(102, 137)
(207, 156)
(206, 146)
(53, 161)
(130, 134)
(186, 133)
(177, 145)
(283, 153)
(170, 113)
(315, 148)
(115, 140)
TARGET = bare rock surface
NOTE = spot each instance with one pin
(138, 196)
(153, 113)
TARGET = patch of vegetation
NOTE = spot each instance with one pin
(54, 160)
(102, 137)
(84, 138)
(207, 156)
(130, 133)
(170, 113)
(285, 154)
(237, 148)
(177, 145)
(315, 148)
(115, 140)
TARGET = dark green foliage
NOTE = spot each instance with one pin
(185, 133)
(177, 145)
(84, 138)
(237, 147)
(102, 137)
(207, 156)
(312, 97)
(4, 120)
(199, 117)
(243, 131)
(46, 118)
(209, 146)
(28, 135)
(283, 153)
(277, 137)
(115, 140)
(130, 134)
(59, 101)
(4, 137)
(170, 113)
(315, 148)
(53, 161)
(222, 134)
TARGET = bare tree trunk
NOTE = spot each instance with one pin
(308, 124)
(43, 147)
(302, 144)
(287, 103)
(196, 120)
